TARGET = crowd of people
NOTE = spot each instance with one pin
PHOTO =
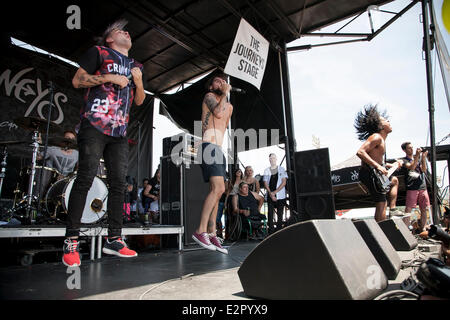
(243, 197)
(243, 200)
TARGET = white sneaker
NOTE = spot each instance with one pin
(396, 213)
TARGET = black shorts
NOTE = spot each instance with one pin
(366, 177)
(212, 161)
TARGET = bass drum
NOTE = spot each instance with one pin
(49, 176)
(57, 200)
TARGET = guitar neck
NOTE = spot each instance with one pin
(392, 169)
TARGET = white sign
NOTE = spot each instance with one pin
(248, 57)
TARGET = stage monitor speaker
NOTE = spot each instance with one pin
(398, 234)
(316, 259)
(313, 185)
(183, 192)
(380, 246)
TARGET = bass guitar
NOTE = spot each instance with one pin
(381, 181)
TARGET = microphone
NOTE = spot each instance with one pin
(237, 90)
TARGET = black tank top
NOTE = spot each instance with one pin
(248, 203)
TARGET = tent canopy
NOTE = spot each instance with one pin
(177, 40)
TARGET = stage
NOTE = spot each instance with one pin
(196, 274)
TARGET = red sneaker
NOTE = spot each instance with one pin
(203, 240)
(71, 256)
(217, 242)
(119, 248)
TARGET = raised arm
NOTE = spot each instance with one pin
(217, 108)
(413, 164)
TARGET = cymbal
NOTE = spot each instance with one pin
(63, 143)
(36, 124)
(7, 143)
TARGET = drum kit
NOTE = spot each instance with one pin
(42, 193)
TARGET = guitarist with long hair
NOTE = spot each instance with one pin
(373, 128)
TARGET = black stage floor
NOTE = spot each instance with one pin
(110, 274)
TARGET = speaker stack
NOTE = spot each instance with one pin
(313, 185)
(183, 192)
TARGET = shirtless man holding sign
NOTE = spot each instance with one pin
(216, 114)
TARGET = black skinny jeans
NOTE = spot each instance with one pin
(94, 145)
(279, 205)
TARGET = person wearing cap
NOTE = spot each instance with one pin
(113, 82)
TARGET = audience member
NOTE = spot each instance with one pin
(141, 199)
(253, 183)
(151, 191)
(129, 199)
(233, 187)
(248, 204)
(275, 179)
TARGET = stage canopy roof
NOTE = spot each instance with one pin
(177, 40)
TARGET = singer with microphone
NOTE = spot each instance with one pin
(105, 72)
(216, 114)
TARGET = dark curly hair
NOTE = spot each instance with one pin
(368, 122)
(213, 75)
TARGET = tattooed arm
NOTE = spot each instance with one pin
(82, 79)
(217, 108)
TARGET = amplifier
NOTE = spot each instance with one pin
(182, 145)
(183, 192)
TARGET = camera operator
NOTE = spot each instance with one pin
(416, 185)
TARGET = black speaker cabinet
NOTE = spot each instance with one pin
(316, 259)
(183, 192)
(380, 246)
(313, 185)
(398, 234)
(313, 207)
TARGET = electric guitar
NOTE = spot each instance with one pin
(381, 181)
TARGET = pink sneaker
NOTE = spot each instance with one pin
(217, 242)
(203, 240)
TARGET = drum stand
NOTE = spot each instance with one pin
(3, 165)
(27, 201)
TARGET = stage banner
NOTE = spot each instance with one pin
(248, 57)
(24, 92)
(441, 12)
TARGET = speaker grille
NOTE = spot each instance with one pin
(312, 171)
(313, 185)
